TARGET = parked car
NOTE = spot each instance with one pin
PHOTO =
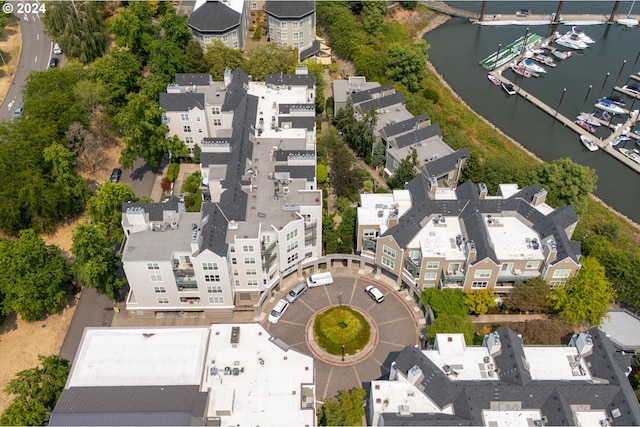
(295, 293)
(115, 175)
(54, 62)
(56, 49)
(278, 311)
(374, 293)
(18, 112)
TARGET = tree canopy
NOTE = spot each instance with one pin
(345, 410)
(105, 208)
(221, 57)
(34, 276)
(585, 299)
(269, 59)
(407, 64)
(133, 28)
(446, 301)
(567, 182)
(480, 301)
(530, 296)
(451, 323)
(406, 170)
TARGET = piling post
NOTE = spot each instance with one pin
(619, 72)
(484, 6)
(560, 102)
(495, 63)
(612, 18)
(603, 83)
(585, 98)
(556, 18)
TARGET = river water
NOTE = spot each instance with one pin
(458, 46)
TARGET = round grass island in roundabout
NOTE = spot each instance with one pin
(342, 330)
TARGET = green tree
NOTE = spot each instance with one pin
(166, 58)
(330, 235)
(451, 323)
(175, 28)
(585, 299)
(530, 296)
(119, 72)
(37, 390)
(105, 208)
(346, 34)
(372, 15)
(346, 230)
(194, 60)
(145, 134)
(480, 301)
(78, 28)
(269, 59)
(96, 264)
(345, 410)
(409, 4)
(34, 277)
(133, 28)
(567, 182)
(406, 64)
(177, 149)
(406, 171)
(446, 301)
(378, 155)
(220, 57)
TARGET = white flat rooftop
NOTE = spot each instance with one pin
(520, 418)
(459, 362)
(623, 328)
(439, 240)
(512, 238)
(372, 204)
(139, 357)
(587, 418)
(556, 363)
(388, 396)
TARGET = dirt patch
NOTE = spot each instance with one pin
(10, 45)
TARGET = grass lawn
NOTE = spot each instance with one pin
(341, 326)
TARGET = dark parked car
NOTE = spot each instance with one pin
(54, 62)
(115, 175)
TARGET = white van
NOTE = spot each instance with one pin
(320, 279)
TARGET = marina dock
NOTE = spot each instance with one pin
(511, 51)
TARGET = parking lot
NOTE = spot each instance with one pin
(396, 320)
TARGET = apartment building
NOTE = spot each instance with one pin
(293, 25)
(262, 213)
(217, 375)
(504, 382)
(224, 20)
(430, 236)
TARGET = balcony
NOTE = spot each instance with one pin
(412, 267)
(369, 245)
(190, 300)
(185, 279)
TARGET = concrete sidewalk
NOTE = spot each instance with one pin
(504, 318)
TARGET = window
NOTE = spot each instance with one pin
(295, 36)
(292, 246)
(216, 300)
(296, 45)
(389, 251)
(430, 276)
(163, 300)
(159, 289)
(214, 289)
(387, 262)
(234, 261)
(254, 5)
(215, 110)
(252, 282)
(217, 122)
(557, 283)
(232, 248)
(292, 258)
(237, 282)
(251, 260)
(184, 117)
(414, 255)
(283, 24)
(225, 38)
(292, 234)
(295, 25)
(507, 266)
(197, 118)
(247, 248)
(369, 233)
(211, 277)
(156, 277)
(235, 272)
(188, 140)
(266, 238)
(234, 34)
(479, 285)
(211, 266)
(433, 265)
(454, 266)
(186, 128)
(561, 274)
(235, 44)
(482, 274)
(307, 217)
(199, 130)
(207, 39)
(153, 266)
(532, 265)
(184, 259)
(251, 272)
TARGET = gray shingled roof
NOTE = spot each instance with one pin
(403, 126)
(308, 172)
(214, 231)
(289, 9)
(139, 405)
(443, 165)
(382, 102)
(469, 208)
(312, 50)
(299, 122)
(418, 135)
(236, 91)
(214, 17)
(186, 79)
(181, 101)
(155, 210)
(553, 398)
(365, 95)
(291, 79)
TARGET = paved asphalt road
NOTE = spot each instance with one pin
(37, 50)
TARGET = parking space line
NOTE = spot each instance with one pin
(393, 344)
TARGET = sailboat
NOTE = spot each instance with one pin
(628, 21)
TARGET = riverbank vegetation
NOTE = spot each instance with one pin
(610, 239)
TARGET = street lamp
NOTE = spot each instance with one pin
(340, 299)
(560, 102)
(343, 352)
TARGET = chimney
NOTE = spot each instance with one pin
(482, 190)
(539, 198)
(433, 185)
(471, 252)
(550, 251)
(196, 236)
(227, 77)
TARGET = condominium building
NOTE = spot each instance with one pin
(224, 20)
(262, 213)
(430, 236)
(218, 375)
(504, 382)
(293, 25)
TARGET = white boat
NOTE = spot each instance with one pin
(560, 54)
(508, 87)
(620, 139)
(532, 66)
(589, 143)
(609, 107)
(583, 37)
(589, 118)
(628, 21)
(493, 79)
(572, 41)
(632, 154)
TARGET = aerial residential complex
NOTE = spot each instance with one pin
(262, 213)
(219, 375)
(504, 383)
(430, 236)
